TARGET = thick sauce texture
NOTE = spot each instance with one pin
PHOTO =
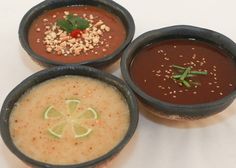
(108, 42)
(29, 129)
(152, 70)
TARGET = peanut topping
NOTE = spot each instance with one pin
(61, 42)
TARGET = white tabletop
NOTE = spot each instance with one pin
(208, 143)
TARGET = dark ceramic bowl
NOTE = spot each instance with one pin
(44, 75)
(108, 5)
(178, 111)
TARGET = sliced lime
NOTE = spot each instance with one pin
(72, 104)
(57, 130)
(51, 112)
(80, 131)
(90, 113)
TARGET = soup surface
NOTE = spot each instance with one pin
(69, 120)
(184, 71)
(76, 33)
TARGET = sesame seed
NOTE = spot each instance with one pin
(38, 29)
(162, 66)
(54, 16)
(195, 92)
(221, 93)
(165, 94)
(230, 84)
(180, 56)
(212, 91)
(145, 80)
(193, 48)
(174, 96)
(217, 86)
(175, 46)
(180, 91)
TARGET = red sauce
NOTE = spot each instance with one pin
(152, 70)
(112, 39)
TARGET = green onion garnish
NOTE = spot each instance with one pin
(186, 73)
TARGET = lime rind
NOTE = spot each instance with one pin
(58, 130)
(90, 113)
(51, 112)
(81, 131)
(72, 104)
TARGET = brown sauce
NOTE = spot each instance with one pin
(152, 70)
(110, 40)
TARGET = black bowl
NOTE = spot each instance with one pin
(108, 5)
(178, 111)
(44, 75)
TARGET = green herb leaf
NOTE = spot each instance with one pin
(178, 76)
(184, 75)
(186, 84)
(65, 25)
(198, 72)
(78, 22)
(178, 67)
(72, 23)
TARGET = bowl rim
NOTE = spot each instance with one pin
(54, 72)
(23, 36)
(147, 38)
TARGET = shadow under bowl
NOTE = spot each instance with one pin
(51, 73)
(108, 5)
(166, 109)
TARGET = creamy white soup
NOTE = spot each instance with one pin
(69, 120)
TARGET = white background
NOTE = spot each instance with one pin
(209, 143)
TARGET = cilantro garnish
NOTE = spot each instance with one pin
(72, 22)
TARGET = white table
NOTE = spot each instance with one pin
(209, 143)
